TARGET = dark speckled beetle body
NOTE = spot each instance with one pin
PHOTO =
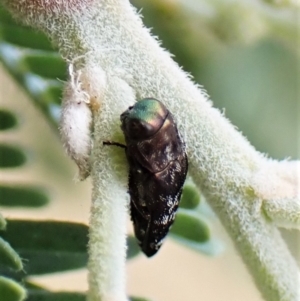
(157, 170)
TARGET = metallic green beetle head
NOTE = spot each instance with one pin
(143, 119)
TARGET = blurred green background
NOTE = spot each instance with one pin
(245, 55)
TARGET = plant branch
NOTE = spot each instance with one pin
(230, 172)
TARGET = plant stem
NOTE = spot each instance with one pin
(222, 162)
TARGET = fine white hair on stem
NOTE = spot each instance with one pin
(107, 245)
(277, 185)
(237, 181)
(284, 213)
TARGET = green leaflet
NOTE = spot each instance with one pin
(9, 257)
(48, 246)
(7, 120)
(11, 156)
(41, 295)
(22, 196)
(2, 222)
(190, 226)
(190, 198)
(11, 290)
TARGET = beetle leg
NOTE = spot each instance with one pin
(114, 143)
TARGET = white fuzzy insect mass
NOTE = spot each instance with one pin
(80, 101)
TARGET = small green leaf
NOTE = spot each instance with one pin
(133, 248)
(2, 222)
(47, 235)
(53, 94)
(7, 120)
(11, 156)
(11, 290)
(22, 196)
(190, 198)
(5, 17)
(192, 231)
(48, 246)
(46, 64)
(190, 226)
(138, 299)
(24, 37)
(9, 257)
(32, 286)
(39, 295)
(43, 262)
(213, 247)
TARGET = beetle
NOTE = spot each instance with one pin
(158, 167)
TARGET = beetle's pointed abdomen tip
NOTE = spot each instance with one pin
(148, 251)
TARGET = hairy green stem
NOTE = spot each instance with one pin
(111, 36)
